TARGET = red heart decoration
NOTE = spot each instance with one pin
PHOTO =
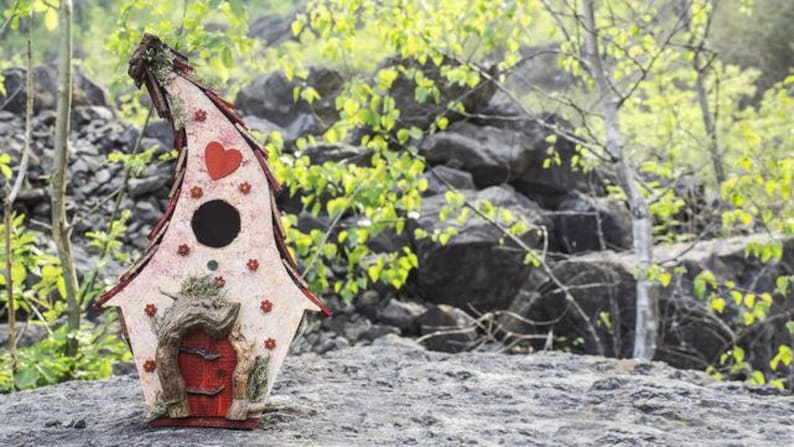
(221, 162)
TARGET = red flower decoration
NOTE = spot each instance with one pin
(183, 250)
(219, 281)
(149, 366)
(150, 309)
(252, 264)
(200, 115)
(245, 187)
(270, 344)
(266, 306)
(196, 192)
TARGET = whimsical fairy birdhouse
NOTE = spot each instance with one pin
(212, 305)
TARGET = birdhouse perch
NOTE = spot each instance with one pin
(211, 306)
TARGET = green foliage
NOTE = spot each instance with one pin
(217, 51)
(43, 363)
(39, 291)
(5, 169)
(383, 195)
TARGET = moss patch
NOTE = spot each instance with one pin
(202, 287)
(257, 380)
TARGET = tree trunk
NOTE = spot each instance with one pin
(646, 326)
(60, 225)
(708, 121)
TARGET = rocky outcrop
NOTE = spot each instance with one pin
(273, 29)
(493, 156)
(270, 97)
(474, 270)
(85, 91)
(691, 335)
(420, 110)
(583, 223)
(395, 393)
(96, 133)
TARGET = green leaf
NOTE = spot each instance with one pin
(26, 378)
(227, 57)
(717, 304)
(329, 250)
(666, 277)
(374, 271)
(51, 19)
(738, 354)
(297, 26)
(403, 135)
(350, 107)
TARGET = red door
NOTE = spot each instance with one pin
(207, 366)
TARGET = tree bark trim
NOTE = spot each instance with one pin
(203, 392)
(238, 411)
(203, 353)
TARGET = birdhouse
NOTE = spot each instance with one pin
(213, 303)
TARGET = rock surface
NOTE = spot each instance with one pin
(394, 393)
(474, 269)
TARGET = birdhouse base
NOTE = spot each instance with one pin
(209, 422)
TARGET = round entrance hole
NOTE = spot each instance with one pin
(216, 223)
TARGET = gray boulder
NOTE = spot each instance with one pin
(458, 179)
(492, 155)
(270, 97)
(475, 269)
(272, 29)
(584, 223)
(401, 314)
(423, 113)
(85, 92)
(447, 329)
(546, 185)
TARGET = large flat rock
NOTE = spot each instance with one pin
(395, 393)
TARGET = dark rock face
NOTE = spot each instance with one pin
(474, 269)
(423, 114)
(272, 29)
(691, 335)
(403, 315)
(584, 223)
(161, 131)
(339, 152)
(447, 329)
(602, 289)
(505, 145)
(95, 133)
(695, 336)
(492, 155)
(545, 185)
(85, 92)
(270, 97)
(461, 180)
(399, 394)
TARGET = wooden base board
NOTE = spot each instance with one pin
(248, 424)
